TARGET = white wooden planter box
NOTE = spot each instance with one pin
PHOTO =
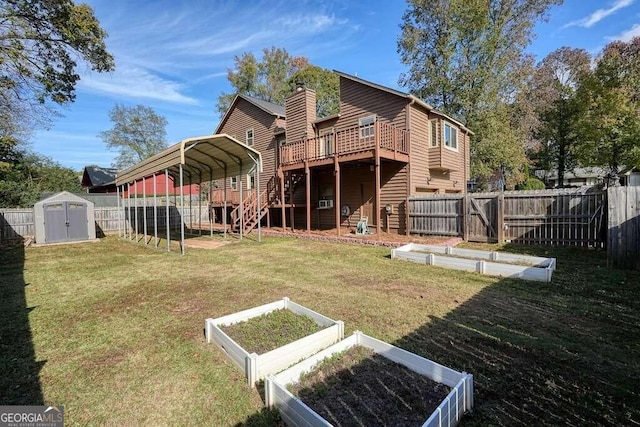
(257, 366)
(484, 262)
(295, 413)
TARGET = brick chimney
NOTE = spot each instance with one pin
(300, 111)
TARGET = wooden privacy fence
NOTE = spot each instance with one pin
(549, 217)
(623, 242)
(18, 223)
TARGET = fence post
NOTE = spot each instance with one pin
(466, 218)
(500, 227)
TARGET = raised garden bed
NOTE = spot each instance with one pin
(485, 262)
(371, 389)
(291, 347)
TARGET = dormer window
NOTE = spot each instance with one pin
(249, 137)
(367, 127)
(450, 136)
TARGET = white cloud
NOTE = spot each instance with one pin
(133, 82)
(626, 36)
(599, 15)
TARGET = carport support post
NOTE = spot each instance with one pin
(167, 202)
(200, 201)
(128, 212)
(118, 196)
(181, 209)
(144, 209)
(155, 211)
(211, 215)
(135, 205)
(224, 214)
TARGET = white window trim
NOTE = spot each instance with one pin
(249, 187)
(253, 137)
(233, 182)
(444, 136)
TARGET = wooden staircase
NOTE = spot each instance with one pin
(252, 214)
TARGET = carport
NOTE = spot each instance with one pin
(192, 161)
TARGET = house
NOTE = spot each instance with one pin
(97, 179)
(587, 176)
(383, 147)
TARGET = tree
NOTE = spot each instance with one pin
(553, 95)
(30, 175)
(266, 79)
(41, 44)
(609, 129)
(324, 82)
(467, 59)
(138, 133)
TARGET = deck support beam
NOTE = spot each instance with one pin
(338, 206)
(307, 178)
(284, 214)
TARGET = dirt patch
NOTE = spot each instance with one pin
(270, 331)
(360, 387)
(205, 244)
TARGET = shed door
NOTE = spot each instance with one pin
(55, 218)
(77, 221)
(65, 221)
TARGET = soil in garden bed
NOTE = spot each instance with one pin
(360, 387)
(272, 330)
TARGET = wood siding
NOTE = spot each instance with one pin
(438, 169)
(300, 112)
(358, 100)
(246, 116)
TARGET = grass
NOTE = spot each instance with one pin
(269, 331)
(114, 331)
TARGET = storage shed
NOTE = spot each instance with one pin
(64, 217)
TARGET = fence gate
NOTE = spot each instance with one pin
(482, 218)
(65, 221)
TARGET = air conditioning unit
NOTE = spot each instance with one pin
(325, 204)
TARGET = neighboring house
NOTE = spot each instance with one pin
(588, 176)
(99, 180)
(103, 180)
(366, 161)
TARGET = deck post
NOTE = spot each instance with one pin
(337, 207)
(307, 177)
(376, 155)
(284, 214)
(291, 207)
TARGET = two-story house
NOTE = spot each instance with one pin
(366, 161)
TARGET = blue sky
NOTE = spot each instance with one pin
(173, 55)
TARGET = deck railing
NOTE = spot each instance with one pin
(348, 141)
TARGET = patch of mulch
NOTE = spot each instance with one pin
(360, 387)
(272, 330)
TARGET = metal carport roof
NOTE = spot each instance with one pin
(212, 157)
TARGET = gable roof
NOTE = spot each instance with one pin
(96, 176)
(409, 96)
(266, 106)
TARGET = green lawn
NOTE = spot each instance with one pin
(114, 331)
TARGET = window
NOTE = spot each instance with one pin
(434, 134)
(450, 136)
(326, 142)
(251, 181)
(234, 182)
(367, 128)
(249, 137)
